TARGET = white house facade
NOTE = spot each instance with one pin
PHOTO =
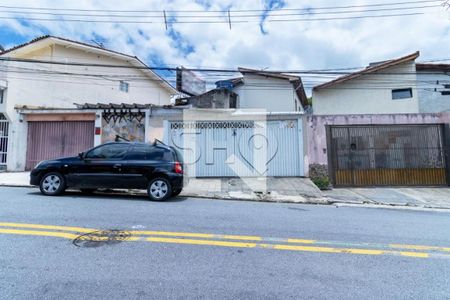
(40, 82)
(269, 91)
(382, 88)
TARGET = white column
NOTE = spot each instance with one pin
(98, 124)
(301, 145)
(147, 126)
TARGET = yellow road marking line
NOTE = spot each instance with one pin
(229, 244)
(301, 241)
(52, 227)
(219, 236)
(201, 242)
(238, 237)
(420, 247)
(285, 247)
(65, 235)
(415, 254)
(168, 233)
(197, 235)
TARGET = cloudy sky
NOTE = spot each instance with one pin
(259, 42)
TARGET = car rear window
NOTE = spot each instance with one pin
(147, 152)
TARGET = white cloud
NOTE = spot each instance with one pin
(300, 45)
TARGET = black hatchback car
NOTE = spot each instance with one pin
(121, 165)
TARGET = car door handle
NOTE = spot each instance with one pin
(117, 166)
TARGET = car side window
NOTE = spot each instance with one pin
(138, 153)
(109, 151)
(145, 152)
(156, 153)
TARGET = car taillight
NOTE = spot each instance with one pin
(178, 168)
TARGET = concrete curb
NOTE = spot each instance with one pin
(17, 185)
(319, 201)
(395, 207)
(294, 200)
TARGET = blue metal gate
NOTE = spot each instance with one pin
(239, 148)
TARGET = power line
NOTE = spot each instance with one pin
(308, 86)
(214, 22)
(274, 13)
(217, 70)
(375, 83)
(224, 11)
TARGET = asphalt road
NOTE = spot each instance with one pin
(210, 249)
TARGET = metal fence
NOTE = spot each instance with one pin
(387, 155)
(4, 127)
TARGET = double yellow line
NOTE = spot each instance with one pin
(235, 241)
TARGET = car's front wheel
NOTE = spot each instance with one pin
(52, 184)
(159, 189)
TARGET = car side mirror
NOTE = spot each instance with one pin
(81, 155)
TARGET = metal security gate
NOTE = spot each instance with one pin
(4, 127)
(380, 155)
(47, 140)
(239, 148)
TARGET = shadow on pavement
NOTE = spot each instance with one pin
(109, 195)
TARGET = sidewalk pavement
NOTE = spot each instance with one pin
(292, 190)
(424, 197)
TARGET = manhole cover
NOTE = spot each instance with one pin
(101, 238)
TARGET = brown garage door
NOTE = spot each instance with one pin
(47, 140)
(380, 155)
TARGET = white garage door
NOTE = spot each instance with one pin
(239, 148)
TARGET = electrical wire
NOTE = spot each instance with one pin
(273, 13)
(341, 71)
(214, 22)
(224, 11)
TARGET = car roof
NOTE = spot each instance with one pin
(159, 145)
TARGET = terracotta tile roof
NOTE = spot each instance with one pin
(368, 70)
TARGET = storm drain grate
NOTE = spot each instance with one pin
(101, 238)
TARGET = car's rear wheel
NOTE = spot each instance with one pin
(52, 184)
(159, 189)
(176, 192)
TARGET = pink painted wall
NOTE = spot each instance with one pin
(317, 140)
